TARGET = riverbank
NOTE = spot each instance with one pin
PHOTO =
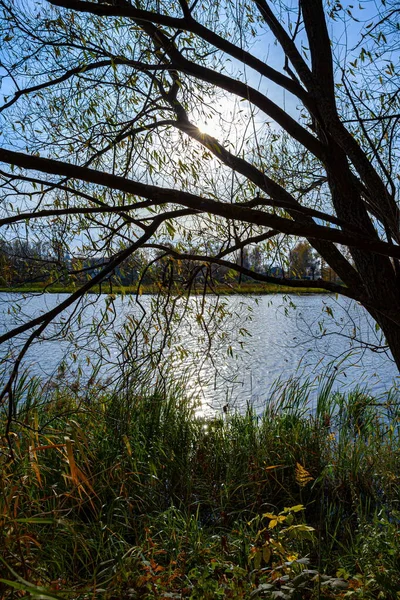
(132, 494)
(243, 288)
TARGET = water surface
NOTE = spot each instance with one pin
(265, 338)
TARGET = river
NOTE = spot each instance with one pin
(265, 339)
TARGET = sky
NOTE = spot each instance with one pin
(344, 31)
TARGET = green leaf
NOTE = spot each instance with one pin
(37, 592)
(295, 509)
(36, 520)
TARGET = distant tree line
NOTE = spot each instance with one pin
(22, 261)
(29, 262)
(305, 263)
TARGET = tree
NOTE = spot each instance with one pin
(104, 129)
(303, 262)
(22, 262)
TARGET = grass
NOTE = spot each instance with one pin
(132, 494)
(223, 289)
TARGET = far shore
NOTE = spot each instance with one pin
(106, 288)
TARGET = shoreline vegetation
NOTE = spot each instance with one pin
(133, 493)
(223, 289)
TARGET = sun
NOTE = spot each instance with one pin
(208, 127)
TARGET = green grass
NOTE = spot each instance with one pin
(132, 494)
(223, 289)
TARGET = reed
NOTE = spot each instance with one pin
(130, 493)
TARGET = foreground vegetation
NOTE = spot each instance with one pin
(136, 495)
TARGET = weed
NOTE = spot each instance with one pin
(132, 494)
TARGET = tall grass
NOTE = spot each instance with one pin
(132, 494)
